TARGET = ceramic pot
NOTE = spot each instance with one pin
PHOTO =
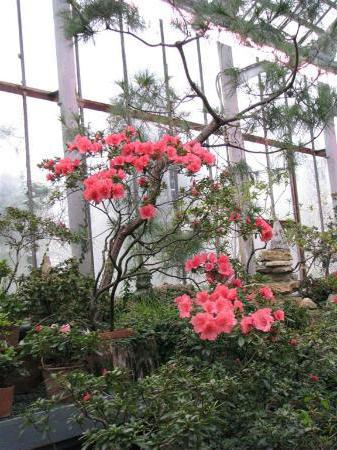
(116, 334)
(6, 401)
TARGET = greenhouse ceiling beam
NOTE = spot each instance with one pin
(93, 105)
(321, 61)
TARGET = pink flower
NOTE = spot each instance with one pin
(199, 321)
(334, 299)
(86, 396)
(238, 305)
(262, 319)
(266, 293)
(313, 378)
(264, 228)
(209, 266)
(246, 324)
(293, 342)
(223, 304)
(38, 328)
(225, 321)
(279, 315)
(143, 181)
(202, 297)
(66, 166)
(184, 303)
(117, 191)
(237, 283)
(65, 328)
(209, 307)
(234, 216)
(147, 211)
(210, 331)
(50, 176)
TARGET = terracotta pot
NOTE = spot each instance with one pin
(6, 401)
(116, 334)
(52, 377)
(10, 334)
(110, 350)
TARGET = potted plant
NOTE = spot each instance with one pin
(9, 363)
(9, 330)
(61, 349)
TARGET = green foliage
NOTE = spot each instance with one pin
(90, 16)
(319, 289)
(53, 346)
(5, 321)
(9, 362)
(320, 246)
(154, 317)
(61, 294)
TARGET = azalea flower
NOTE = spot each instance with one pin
(65, 328)
(147, 211)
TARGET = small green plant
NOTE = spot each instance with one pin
(319, 289)
(9, 363)
(55, 296)
(58, 345)
(5, 321)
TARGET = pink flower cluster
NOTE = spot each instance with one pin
(127, 156)
(66, 166)
(264, 228)
(62, 329)
(217, 268)
(104, 185)
(220, 310)
(262, 320)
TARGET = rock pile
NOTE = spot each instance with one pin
(276, 263)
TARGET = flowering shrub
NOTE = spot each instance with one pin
(126, 176)
(219, 310)
(58, 345)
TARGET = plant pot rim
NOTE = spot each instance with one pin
(50, 367)
(119, 333)
(7, 387)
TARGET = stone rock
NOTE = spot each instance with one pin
(264, 269)
(284, 277)
(307, 303)
(275, 255)
(46, 265)
(277, 263)
(284, 287)
(332, 298)
(278, 240)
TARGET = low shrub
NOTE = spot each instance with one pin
(258, 391)
(56, 296)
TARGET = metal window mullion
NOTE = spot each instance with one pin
(26, 129)
(81, 109)
(202, 87)
(265, 135)
(294, 198)
(173, 172)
